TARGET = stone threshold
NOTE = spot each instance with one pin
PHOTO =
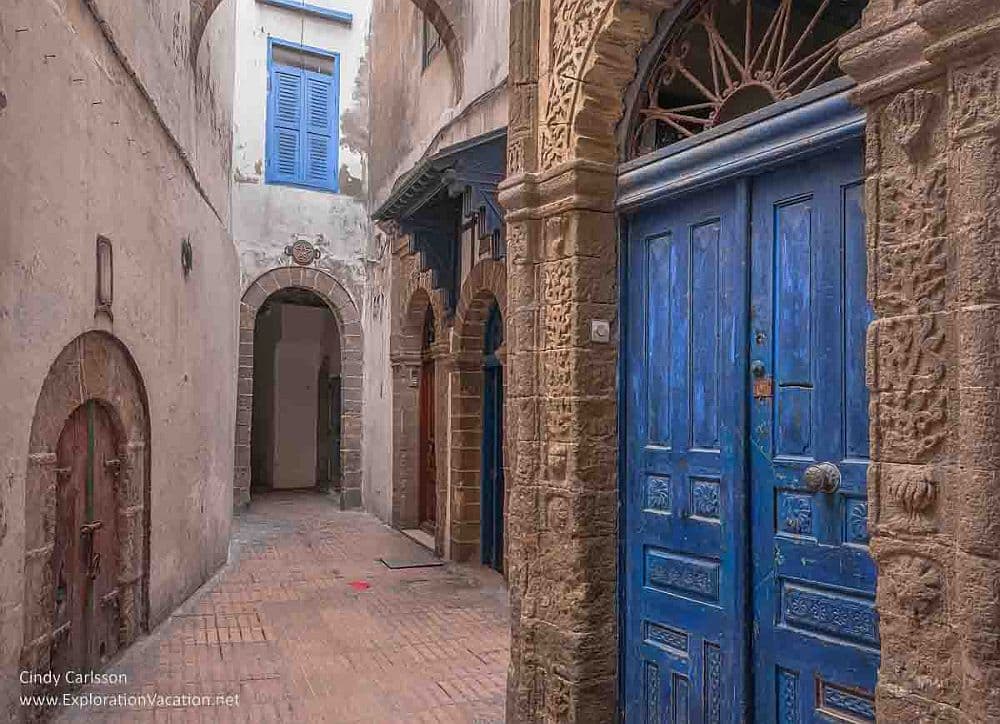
(421, 537)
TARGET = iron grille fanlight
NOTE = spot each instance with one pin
(732, 57)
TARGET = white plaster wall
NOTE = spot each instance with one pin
(85, 153)
(268, 217)
(296, 371)
(415, 111)
(376, 452)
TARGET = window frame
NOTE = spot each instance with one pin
(269, 128)
(429, 51)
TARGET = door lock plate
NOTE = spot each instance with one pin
(763, 388)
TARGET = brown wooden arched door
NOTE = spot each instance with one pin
(428, 453)
(85, 562)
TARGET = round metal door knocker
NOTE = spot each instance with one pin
(302, 252)
(822, 478)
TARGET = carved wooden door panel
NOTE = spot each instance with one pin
(103, 519)
(427, 455)
(816, 638)
(86, 553)
(69, 567)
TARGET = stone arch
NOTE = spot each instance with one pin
(445, 16)
(594, 60)
(348, 319)
(94, 366)
(485, 285)
(417, 282)
(200, 13)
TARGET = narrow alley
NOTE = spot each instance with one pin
(305, 623)
(525, 361)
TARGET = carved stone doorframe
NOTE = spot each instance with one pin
(929, 75)
(407, 355)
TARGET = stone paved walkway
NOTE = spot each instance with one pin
(283, 627)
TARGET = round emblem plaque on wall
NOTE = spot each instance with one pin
(302, 252)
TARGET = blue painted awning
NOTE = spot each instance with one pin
(444, 194)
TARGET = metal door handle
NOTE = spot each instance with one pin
(822, 478)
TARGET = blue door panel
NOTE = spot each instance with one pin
(684, 571)
(748, 593)
(813, 577)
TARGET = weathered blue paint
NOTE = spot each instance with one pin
(300, 6)
(812, 571)
(303, 122)
(746, 595)
(685, 552)
(491, 502)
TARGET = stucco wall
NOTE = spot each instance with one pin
(415, 110)
(128, 145)
(268, 217)
(377, 393)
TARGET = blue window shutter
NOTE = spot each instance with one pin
(303, 126)
(319, 133)
(285, 131)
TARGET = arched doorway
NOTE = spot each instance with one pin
(418, 349)
(87, 520)
(748, 584)
(314, 301)
(477, 498)
(491, 507)
(295, 440)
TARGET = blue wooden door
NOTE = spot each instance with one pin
(816, 644)
(492, 483)
(747, 584)
(686, 553)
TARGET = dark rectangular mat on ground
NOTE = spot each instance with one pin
(398, 563)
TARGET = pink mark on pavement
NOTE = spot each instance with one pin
(360, 585)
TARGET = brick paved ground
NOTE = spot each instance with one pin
(282, 627)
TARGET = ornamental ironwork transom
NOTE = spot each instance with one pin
(728, 58)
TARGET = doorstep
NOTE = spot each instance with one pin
(422, 537)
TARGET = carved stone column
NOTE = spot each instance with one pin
(405, 431)
(440, 353)
(521, 430)
(571, 61)
(929, 73)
